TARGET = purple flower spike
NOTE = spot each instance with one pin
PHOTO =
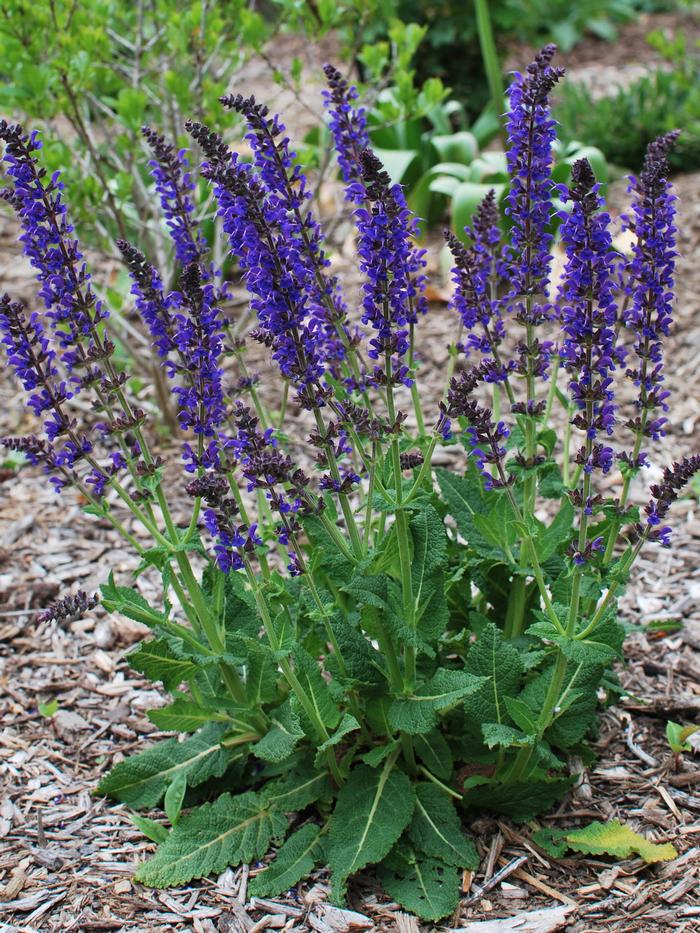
(393, 293)
(675, 478)
(174, 184)
(649, 284)
(531, 133)
(348, 125)
(588, 311)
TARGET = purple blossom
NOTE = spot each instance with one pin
(66, 288)
(649, 284)
(588, 311)
(393, 293)
(170, 169)
(348, 126)
(674, 479)
(531, 133)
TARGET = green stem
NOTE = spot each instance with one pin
(489, 54)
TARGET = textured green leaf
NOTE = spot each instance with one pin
(521, 800)
(229, 831)
(129, 602)
(466, 497)
(156, 661)
(184, 715)
(493, 657)
(436, 830)
(363, 663)
(521, 714)
(426, 886)
(609, 838)
(309, 675)
(498, 526)
(418, 713)
(142, 779)
(346, 725)
(434, 752)
(284, 735)
(174, 796)
(298, 789)
(152, 830)
(429, 557)
(496, 734)
(372, 810)
(557, 533)
(294, 861)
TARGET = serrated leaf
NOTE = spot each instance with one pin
(434, 752)
(418, 713)
(436, 830)
(130, 603)
(152, 830)
(294, 861)
(498, 735)
(156, 661)
(372, 810)
(493, 657)
(427, 580)
(346, 725)
(609, 838)
(521, 714)
(297, 790)
(375, 756)
(174, 796)
(498, 527)
(426, 886)
(229, 831)
(142, 779)
(184, 715)
(283, 737)
(521, 800)
(309, 675)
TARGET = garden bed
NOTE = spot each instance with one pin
(66, 857)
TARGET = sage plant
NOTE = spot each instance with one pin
(362, 649)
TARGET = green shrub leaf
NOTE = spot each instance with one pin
(283, 737)
(373, 808)
(294, 861)
(435, 829)
(142, 779)
(426, 886)
(609, 838)
(417, 713)
(156, 661)
(208, 839)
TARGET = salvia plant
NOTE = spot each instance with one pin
(362, 649)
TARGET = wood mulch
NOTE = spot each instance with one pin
(67, 857)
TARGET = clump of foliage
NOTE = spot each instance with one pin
(363, 655)
(624, 123)
(451, 48)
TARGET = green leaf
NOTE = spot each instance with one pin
(557, 533)
(294, 860)
(156, 661)
(152, 830)
(309, 676)
(429, 558)
(521, 714)
(496, 659)
(283, 737)
(130, 603)
(426, 886)
(298, 789)
(372, 810)
(347, 725)
(184, 715)
(497, 735)
(174, 796)
(436, 830)
(466, 199)
(434, 752)
(498, 527)
(418, 713)
(48, 709)
(608, 838)
(229, 831)
(142, 779)
(678, 735)
(521, 800)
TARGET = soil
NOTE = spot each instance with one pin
(67, 857)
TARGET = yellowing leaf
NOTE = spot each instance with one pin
(611, 838)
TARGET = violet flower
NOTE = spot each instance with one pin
(348, 126)
(170, 169)
(649, 285)
(675, 478)
(588, 311)
(393, 293)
